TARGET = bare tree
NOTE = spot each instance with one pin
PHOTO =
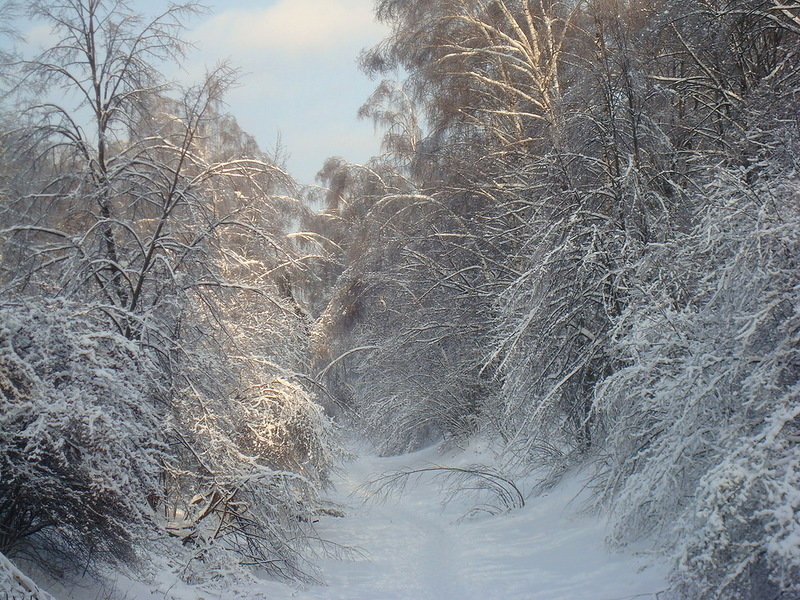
(103, 61)
(150, 207)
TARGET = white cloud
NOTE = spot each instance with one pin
(293, 27)
(38, 37)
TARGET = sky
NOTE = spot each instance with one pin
(300, 76)
(300, 81)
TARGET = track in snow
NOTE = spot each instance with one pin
(413, 549)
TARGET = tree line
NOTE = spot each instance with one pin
(581, 240)
(153, 353)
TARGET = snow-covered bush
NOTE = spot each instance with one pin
(280, 423)
(244, 484)
(702, 427)
(550, 339)
(251, 448)
(79, 437)
(401, 342)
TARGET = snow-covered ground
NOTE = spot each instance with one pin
(15, 585)
(410, 547)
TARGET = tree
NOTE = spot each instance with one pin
(700, 425)
(103, 59)
(603, 232)
(166, 221)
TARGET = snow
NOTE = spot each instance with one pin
(15, 585)
(416, 549)
(411, 547)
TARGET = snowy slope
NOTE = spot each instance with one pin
(413, 548)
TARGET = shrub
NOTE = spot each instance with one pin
(702, 446)
(79, 437)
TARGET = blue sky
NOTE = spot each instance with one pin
(300, 78)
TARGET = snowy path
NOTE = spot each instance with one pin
(415, 550)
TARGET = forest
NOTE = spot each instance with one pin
(580, 243)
